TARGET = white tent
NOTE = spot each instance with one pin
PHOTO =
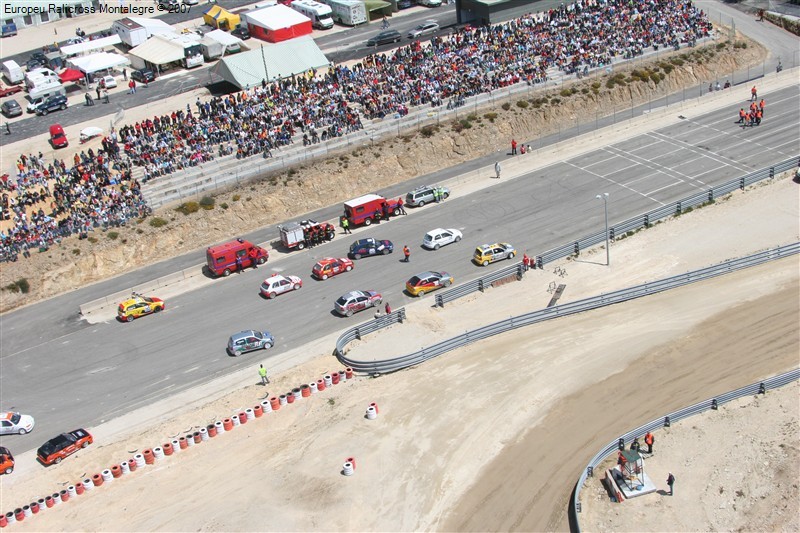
(224, 38)
(98, 62)
(163, 49)
(153, 26)
(89, 46)
(271, 61)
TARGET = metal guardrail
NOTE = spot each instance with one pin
(665, 421)
(405, 361)
(479, 284)
(676, 208)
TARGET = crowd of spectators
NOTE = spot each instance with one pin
(256, 121)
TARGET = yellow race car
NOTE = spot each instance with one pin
(139, 305)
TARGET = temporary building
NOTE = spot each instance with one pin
(276, 23)
(136, 30)
(271, 62)
(220, 18)
(99, 62)
(71, 74)
(165, 49)
(91, 45)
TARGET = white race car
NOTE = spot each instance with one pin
(436, 238)
(277, 284)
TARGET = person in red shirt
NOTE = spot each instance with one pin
(513, 147)
(253, 253)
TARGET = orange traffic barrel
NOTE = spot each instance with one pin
(351, 460)
(258, 411)
(305, 390)
(168, 449)
(197, 437)
(3, 520)
(79, 489)
(35, 506)
(97, 480)
(212, 430)
(116, 471)
(290, 398)
(375, 405)
(149, 458)
(348, 372)
(227, 424)
(64, 495)
(243, 418)
(182, 443)
(19, 514)
(335, 377)
(132, 465)
(275, 403)
(320, 384)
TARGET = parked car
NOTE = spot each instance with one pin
(424, 195)
(53, 103)
(426, 28)
(365, 247)
(241, 32)
(58, 139)
(137, 306)
(385, 37)
(355, 301)
(11, 108)
(11, 89)
(11, 423)
(436, 238)
(6, 461)
(34, 63)
(404, 4)
(277, 284)
(489, 253)
(330, 266)
(64, 445)
(108, 82)
(428, 281)
(249, 340)
(143, 75)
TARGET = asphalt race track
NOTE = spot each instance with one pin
(70, 374)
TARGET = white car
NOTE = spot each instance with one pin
(426, 28)
(108, 82)
(15, 423)
(436, 238)
(277, 284)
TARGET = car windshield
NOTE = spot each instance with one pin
(258, 335)
(15, 418)
(342, 300)
(414, 281)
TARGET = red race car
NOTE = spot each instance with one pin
(329, 267)
(57, 448)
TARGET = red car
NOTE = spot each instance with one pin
(57, 136)
(11, 89)
(57, 448)
(6, 461)
(329, 267)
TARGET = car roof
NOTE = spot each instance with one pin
(7, 415)
(353, 294)
(245, 333)
(276, 277)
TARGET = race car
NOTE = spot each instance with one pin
(330, 266)
(355, 301)
(15, 423)
(6, 461)
(364, 247)
(436, 238)
(427, 282)
(57, 448)
(489, 253)
(277, 284)
(139, 305)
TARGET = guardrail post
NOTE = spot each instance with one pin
(762, 389)
(771, 172)
(439, 301)
(539, 262)
(741, 183)
(714, 405)
(611, 233)
(590, 471)
(666, 421)
(402, 314)
(646, 220)
(621, 444)
(520, 272)
(677, 208)
(711, 195)
(577, 248)
(480, 285)
(358, 334)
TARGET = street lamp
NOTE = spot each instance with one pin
(604, 197)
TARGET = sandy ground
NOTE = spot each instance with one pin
(492, 437)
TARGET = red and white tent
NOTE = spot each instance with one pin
(276, 23)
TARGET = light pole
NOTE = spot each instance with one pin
(604, 197)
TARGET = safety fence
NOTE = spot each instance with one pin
(674, 209)
(712, 403)
(405, 361)
(514, 271)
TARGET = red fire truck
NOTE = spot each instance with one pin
(370, 208)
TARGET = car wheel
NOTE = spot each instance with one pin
(267, 345)
(58, 460)
(377, 302)
(226, 272)
(22, 431)
(436, 246)
(63, 107)
(368, 222)
(511, 255)
(157, 309)
(357, 256)
(386, 251)
(272, 295)
(348, 268)
(261, 260)
(446, 283)
(129, 318)
(9, 470)
(324, 277)
(44, 111)
(396, 212)
(85, 444)
(445, 195)
(485, 263)
(301, 245)
(349, 313)
(458, 239)
(297, 286)
(421, 204)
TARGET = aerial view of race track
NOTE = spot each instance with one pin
(530, 406)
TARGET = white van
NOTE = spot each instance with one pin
(40, 94)
(320, 14)
(13, 72)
